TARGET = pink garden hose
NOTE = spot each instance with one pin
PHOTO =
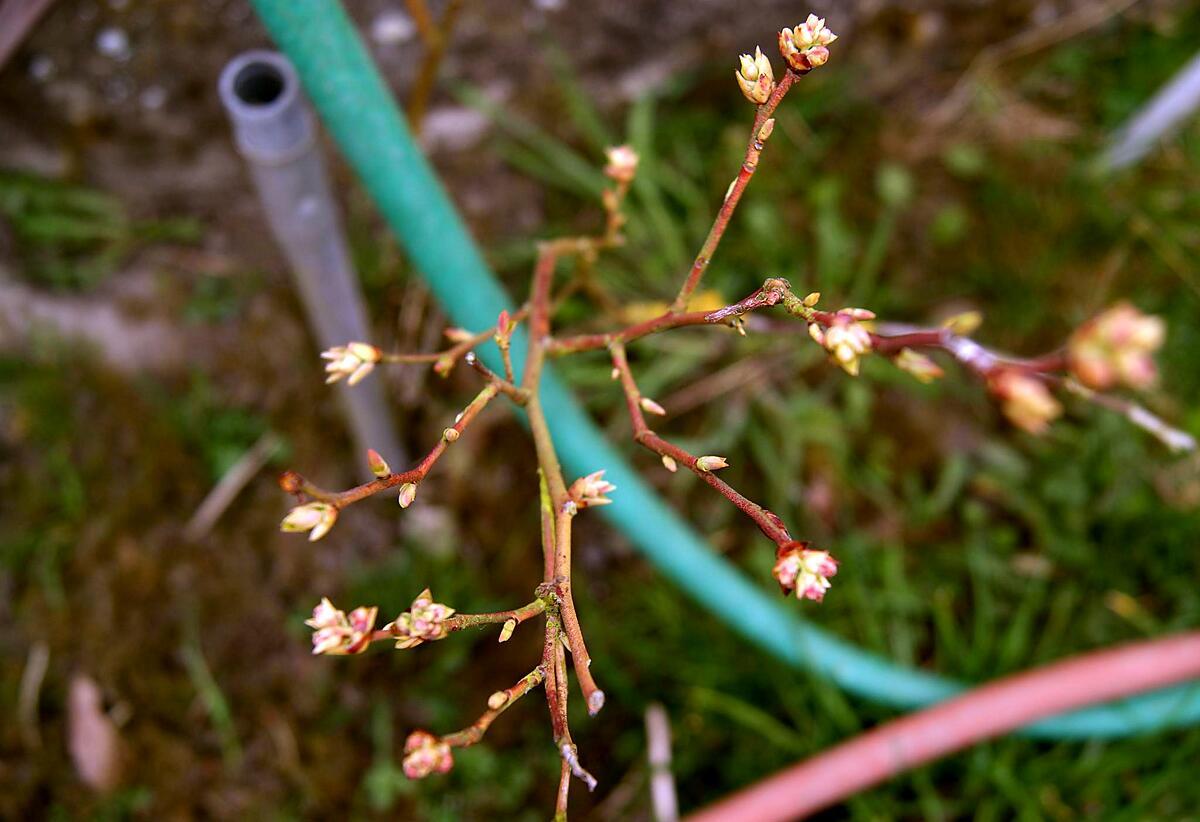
(984, 712)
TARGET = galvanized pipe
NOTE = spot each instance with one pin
(275, 133)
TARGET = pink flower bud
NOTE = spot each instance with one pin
(377, 463)
(1025, 400)
(1116, 347)
(425, 621)
(590, 491)
(337, 634)
(804, 47)
(804, 571)
(425, 754)
(622, 164)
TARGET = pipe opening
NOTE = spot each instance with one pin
(258, 84)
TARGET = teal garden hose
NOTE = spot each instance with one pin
(355, 106)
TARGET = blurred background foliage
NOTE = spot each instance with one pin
(966, 547)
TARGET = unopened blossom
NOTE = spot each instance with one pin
(1025, 400)
(755, 77)
(339, 634)
(592, 490)
(408, 493)
(1117, 348)
(425, 621)
(354, 360)
(804, 47)
(711, 463)
(377, 463)
(622, 163)
(918, 365)
(804, 571)
(652, 407)
(424, 754)
(846, 339)
(314, 517)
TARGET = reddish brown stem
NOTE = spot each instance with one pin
(767, 521)
(754, 147)
(469, 736)
(293, 482)
(580, 658)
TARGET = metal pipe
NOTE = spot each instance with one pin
(275, 133)
(1170, 106)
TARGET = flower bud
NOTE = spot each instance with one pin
(425, 621)
(450, 435)
(315, 517)
(918, 365)
(1025, 400)
(622, 164)
(425, 754)
(804, 570)
(845, 338)
(711, 463)
(1116, 348)
(496, 700)
(804, 46)
(377, 463)
(408, 493)
(590, 491)
(755, 77)
(963, 324)
(337, 634)
(651, 407)
(354, 360)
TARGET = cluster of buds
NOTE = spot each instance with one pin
(804, 47)
(622, 164)
(339, 634)
(425, 754)
(590, 491)
(804, 571)
(354, 360)
(425, 621)
(315, 517)
(755, 77)
(846, 339)
(1024, 399)
(1117, 347)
